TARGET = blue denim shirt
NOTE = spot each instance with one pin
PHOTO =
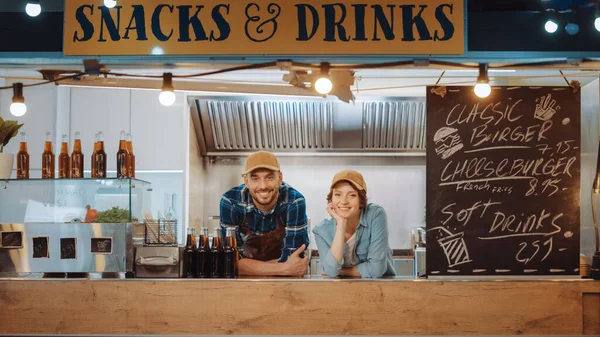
(373, 252)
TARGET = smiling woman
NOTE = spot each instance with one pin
(354, 242)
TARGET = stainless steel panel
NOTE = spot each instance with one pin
(157, 262)
(120, 258)
(236, 124)
(394, 125)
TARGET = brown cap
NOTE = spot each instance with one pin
(261, 159)
(351, 176)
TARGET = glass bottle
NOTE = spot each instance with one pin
(94, 158)
(131, 157)
(229, 260)
(64, 162)
(77, 158)
(203, 254)
(48, 158)
(216, 255)
(23, 158)
(101, 156)
(188, 255)
(122, 157)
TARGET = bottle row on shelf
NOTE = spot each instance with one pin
(72, 166)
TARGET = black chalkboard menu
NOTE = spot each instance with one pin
(503, 182)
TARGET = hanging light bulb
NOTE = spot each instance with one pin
(551, 25)
(323, 84)
(597, 16)
(482, 88)
(110, 3)
(33, 8)
(18, 107)
(167, 96)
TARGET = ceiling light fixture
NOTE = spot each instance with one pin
(482, 88)
(167, 95)
(323, 84)
(18, 107)
(33, 8)
(551, 25)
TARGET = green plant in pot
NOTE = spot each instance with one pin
(8, 130)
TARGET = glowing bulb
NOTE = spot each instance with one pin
(597, 24)
(33, 9)
(551, 26)
(482, 90)
(110, 3)
(166, 98)
(156, 50)
(18, 109)
(323, 85)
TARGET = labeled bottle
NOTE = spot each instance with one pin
(77, 158)
(94, 159)
(64, 161)
(101, 156)
(23, 158)
(216, 255)
(203, 254)
(122, 157)
(229, 255)
(237, 252)
(130, 158)
(188, 255)
(48, 158)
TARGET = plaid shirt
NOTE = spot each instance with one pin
(290, 207)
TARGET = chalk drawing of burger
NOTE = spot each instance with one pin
(447, 142)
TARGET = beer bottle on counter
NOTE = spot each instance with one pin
(203, 254)
(94, 159)
(77, 158)
(216, 255)
(229, 260)
(48, 158)
(64, 162)
(122, 157)
(237, 252)
(130, 158)
(23, 158)
(101, 156)
(188, 255)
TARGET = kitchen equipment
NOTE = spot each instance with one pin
(420, 270)
(157, 261)
(418, 237)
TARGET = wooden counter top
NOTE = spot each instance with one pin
(299, 307)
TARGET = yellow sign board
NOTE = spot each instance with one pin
(264, 27)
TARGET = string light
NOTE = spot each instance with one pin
(323, 84)
(482, 88)
(18, 107)
(167, 96)
(551, 25)
(33, 8)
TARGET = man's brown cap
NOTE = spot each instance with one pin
(261, 159)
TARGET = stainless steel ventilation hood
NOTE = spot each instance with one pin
(238, 125)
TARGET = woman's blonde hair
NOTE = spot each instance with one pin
(362, 194)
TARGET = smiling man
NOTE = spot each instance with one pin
(269, 217)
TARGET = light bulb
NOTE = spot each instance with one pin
(33, 9)
(166, 98)
(597, 24)
(156, 50)
(551, 26)
(110, 3)
(482, 90)
(572, 28)
(323, 85)
(18, 109)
